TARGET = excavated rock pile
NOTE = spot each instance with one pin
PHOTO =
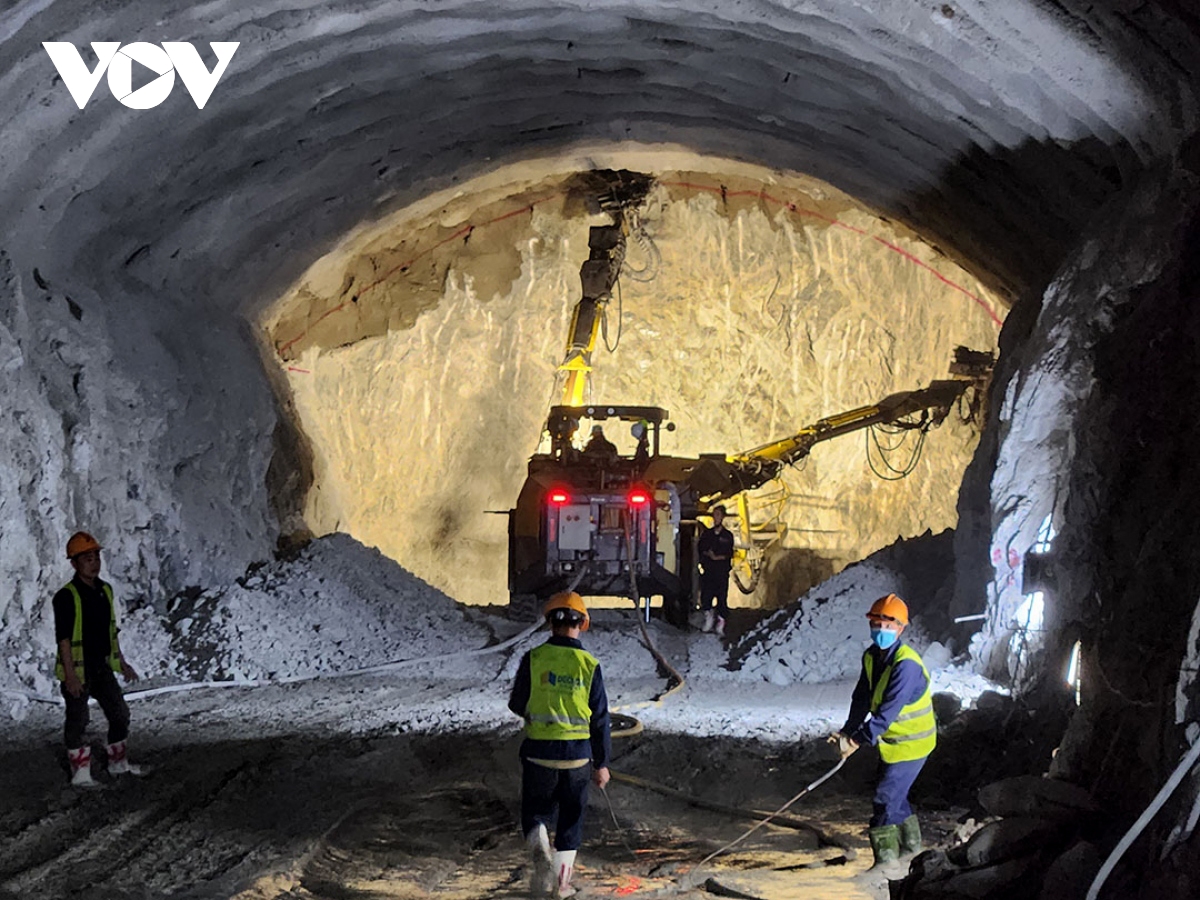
(337, 606)
(820, 636)
(1035, 840)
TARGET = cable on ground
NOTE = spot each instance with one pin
(297, 679)
(737, 812)
(841, 762)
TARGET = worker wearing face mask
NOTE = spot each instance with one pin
(892, 709)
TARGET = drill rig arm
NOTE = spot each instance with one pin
(933, 402)
(719, 479)
(597, 275)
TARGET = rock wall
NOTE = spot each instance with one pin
(1097, 429)
(423, 376)
(123, 418)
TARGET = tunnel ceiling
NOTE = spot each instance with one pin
(993, 129)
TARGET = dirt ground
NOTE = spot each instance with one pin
(307, 806)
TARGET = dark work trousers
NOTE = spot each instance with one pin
(542, 789)
(715, 586)
(891, 794)
(101, 684)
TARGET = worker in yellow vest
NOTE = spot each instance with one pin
(559, 692)
(892, 709)
(85, 629)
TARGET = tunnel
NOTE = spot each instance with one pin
(305, 306)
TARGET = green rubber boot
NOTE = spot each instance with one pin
(885, 844)
(910, 836)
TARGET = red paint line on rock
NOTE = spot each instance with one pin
(792, 207)
(465, 233)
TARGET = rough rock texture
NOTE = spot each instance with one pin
(337, 606)
(1094, 433)
(996, 131)
(119, 422)
(775, 302)
(993, 130)
(1037, 844)
(821, 636)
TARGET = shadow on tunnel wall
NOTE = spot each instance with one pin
(1026, 208)
(290, 472)
(792, 572)
(1141, 478)
(1015, 213)
(1125, 312)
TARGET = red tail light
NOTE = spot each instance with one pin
(558, 498)
(638, 498)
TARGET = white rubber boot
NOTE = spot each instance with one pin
(720, 627)
(118, 760)
(564, 868)
(708, 621)
(81, 767)
(542, 882)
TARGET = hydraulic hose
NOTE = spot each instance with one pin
(841, 762)
(676, 681)
(1156, 804)
(776, 817)
(296, 679)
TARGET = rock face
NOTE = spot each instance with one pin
(117, 422)
(422, 367)
(135, 244)
(1043, 799)
(1091, 434)
(1035, 845)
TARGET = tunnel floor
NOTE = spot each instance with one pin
(240, 803)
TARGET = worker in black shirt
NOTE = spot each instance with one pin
(599, 447)
(715, 549)
(85, 629)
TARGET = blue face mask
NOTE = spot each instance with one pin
(883, 639)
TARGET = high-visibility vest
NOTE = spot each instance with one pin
(560, 685)
(114, 653)
(914, 733)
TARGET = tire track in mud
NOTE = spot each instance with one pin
(198, 818)
(458, 840)
(115, 834)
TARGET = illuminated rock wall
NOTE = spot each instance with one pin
(777, 302)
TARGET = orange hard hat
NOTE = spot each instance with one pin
(81, 542)
(889, 609)
(574, 610)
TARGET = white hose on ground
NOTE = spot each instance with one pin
(841, 762)
(266, 682)
(25, 695)
(1156, 804)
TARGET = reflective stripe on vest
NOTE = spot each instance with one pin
(913, 734)
(560, 685)
(114, 653)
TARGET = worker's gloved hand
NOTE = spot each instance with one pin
(600, 777)
(845, 745)
(128, 672)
